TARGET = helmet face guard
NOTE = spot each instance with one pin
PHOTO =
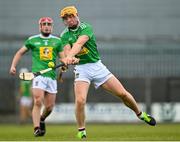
(69, 10)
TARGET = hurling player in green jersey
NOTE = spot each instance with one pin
(79, 41)
(44, 48)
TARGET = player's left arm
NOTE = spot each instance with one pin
(77, 46)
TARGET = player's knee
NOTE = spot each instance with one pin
(38, 102)
(80, 101)
(123, 95)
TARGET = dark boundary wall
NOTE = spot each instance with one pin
(7, 96)
(162, 90)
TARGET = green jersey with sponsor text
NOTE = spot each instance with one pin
(44, 50)
(89, 52)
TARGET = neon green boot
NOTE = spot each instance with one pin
(148, 119)
(81, 134)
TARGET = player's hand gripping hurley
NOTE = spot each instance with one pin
(31, 75)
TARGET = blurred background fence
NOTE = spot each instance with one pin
(139, 42)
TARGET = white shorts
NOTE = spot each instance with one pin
(45, 83)
(26, 101)
(92, 72)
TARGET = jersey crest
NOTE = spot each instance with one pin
(46, 53)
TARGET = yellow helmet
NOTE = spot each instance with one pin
(68, 11)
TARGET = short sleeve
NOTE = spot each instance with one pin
(87, 30)
(28, 44)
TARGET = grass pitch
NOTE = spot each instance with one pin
(95, 132)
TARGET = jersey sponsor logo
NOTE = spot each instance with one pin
(83, 51)
(46, 53)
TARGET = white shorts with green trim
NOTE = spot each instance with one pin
(92, 72)
(45, 83)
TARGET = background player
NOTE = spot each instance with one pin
(45, 48)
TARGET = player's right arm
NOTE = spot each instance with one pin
(16, 59)
(67, 48)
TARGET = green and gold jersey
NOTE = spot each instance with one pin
(44, 50)
(25, 87)
(89, 52)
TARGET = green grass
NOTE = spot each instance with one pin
(95, 132)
